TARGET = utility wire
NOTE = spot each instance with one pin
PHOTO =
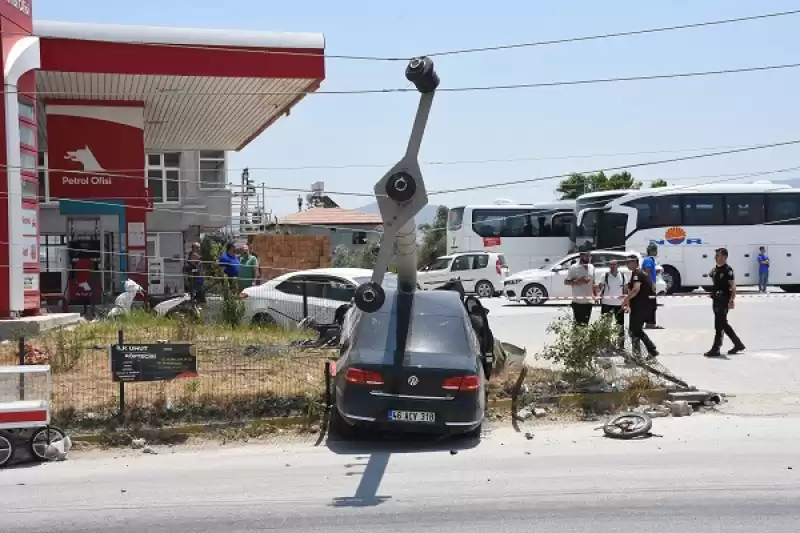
(489, 161)
(615, 34)
(624, 167)
(493, 185)
(476, 88)
(232, 218)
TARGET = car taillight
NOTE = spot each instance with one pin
(364, 377)
(463, 383)
(243, 295)
(499, 268)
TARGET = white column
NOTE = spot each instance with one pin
(16, 291)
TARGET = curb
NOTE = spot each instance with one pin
(199, 429)
(504, 404)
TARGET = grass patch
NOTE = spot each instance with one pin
(244, 373)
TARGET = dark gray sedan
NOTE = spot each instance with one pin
(413, 366)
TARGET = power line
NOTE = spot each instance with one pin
(476, 88)
(615, 34)
(231, 218)
(624, 167)
(732, 150)
(463, 51)
(488, 161)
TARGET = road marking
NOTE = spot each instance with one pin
(768, 355)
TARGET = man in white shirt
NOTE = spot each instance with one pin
(612, 288)
(580, 277)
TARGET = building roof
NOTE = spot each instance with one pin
(201, 88)
(335, 216)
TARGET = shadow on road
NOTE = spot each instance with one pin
(377, 451)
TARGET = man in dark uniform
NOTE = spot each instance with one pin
(638, 302)
(723, 295)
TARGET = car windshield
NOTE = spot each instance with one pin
(430, 333)
(389, 281)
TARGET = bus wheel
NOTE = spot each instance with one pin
(672, 278)
(534, 294)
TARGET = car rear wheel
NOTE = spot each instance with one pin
(484, 289)
(534, 294)
(338, 428)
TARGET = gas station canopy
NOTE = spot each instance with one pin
(200, 89)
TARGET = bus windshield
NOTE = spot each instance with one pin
(455, 217)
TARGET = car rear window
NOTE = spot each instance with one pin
(502, 259)
(429, 333)
(389, 281)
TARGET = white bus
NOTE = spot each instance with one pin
(529, 235)
(689, 223)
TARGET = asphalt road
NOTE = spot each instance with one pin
(709, 473)
(765, 378)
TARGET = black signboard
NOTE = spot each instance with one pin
(152, 362)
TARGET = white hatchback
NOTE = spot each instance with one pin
(536, 286)
(481, 273)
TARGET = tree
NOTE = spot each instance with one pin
(434, 238)
(658, 183)
(578, 184)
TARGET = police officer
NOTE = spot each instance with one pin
(723, 295)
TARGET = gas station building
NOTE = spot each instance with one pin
(114, 145)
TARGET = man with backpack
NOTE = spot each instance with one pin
(613, 288)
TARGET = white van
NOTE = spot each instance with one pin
(481, 273)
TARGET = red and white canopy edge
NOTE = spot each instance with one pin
(163, 67)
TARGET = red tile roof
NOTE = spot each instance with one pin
(333, 216)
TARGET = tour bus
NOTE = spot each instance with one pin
(529, 235)
(689, 223)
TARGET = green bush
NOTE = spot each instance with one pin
(576, 348)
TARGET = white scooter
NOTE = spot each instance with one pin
(124, 302)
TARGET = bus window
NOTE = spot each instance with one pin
(611, 231)
(455, 218)
(744, 209)
(561, 225)
(644, 212)
(666, 211)
(503, 223)
(783, 209)
(703, 210)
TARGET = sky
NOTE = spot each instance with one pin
(555, 129)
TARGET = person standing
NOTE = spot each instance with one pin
(612, 289)
(194, 273)
(723, 295)
(637, 303)
(763, 270)
(248, 269)
(229, 264)
(650, 267)
(580, 277)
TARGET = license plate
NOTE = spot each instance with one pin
(412, 416)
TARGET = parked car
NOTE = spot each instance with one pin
(536, 286)
(280, 300)
(481, 273)
(438, 384)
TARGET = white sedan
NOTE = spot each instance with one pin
(281, 300)
(536, 286)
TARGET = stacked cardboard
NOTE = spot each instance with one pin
(279, 254)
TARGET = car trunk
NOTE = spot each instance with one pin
(418, 373)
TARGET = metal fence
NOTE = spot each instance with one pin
(243, 373)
